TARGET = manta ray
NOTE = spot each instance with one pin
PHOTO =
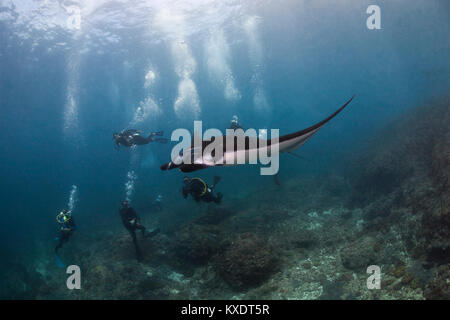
(193, 160)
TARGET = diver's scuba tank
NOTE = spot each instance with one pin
(205, 186)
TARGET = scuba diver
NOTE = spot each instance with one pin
(132, 137)
(200, 191)
(65, 219)
(131, 222)
(157, 203)
(235, 124)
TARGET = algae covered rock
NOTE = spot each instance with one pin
(359, 254)
(196, 243)
(248, 261)
(439, 287)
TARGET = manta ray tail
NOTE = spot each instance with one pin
(294, 140)
(297, 156)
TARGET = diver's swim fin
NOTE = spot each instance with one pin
(161, 140)
(152, 233)
(216, 180)
(219, 197)
(59, 262)
(275, 179)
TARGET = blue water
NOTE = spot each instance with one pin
(287, 65)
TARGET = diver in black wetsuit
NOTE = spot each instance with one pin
(200, 191)
(234, 125)
(131, 222)
(132, 137)
(158, 203)
(67, 227)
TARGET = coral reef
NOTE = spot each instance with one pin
(23, 283)
(439, 287)
(406, 185)
(310, 238)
